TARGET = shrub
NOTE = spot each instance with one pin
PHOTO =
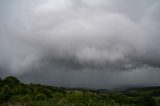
(40, 97)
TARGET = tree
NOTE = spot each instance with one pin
(11, 80)
(0, 81)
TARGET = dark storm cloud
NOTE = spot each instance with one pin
(79, 43)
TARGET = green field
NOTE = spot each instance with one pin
(15, 93)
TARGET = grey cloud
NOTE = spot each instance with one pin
(70, 41)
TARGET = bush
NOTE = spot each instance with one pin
(21, 98)
(147, 100)
(40, 97)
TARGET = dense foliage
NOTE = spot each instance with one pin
(13, 93)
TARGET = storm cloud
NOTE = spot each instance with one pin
(81, 43)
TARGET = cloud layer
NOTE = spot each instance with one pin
(79, 43)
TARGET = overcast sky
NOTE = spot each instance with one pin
(81, 43)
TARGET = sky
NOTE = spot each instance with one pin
(98, 44)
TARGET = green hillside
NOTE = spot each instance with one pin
(15, 93)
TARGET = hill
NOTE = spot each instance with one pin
(13, 93)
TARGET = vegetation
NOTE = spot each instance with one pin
(15, 93)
